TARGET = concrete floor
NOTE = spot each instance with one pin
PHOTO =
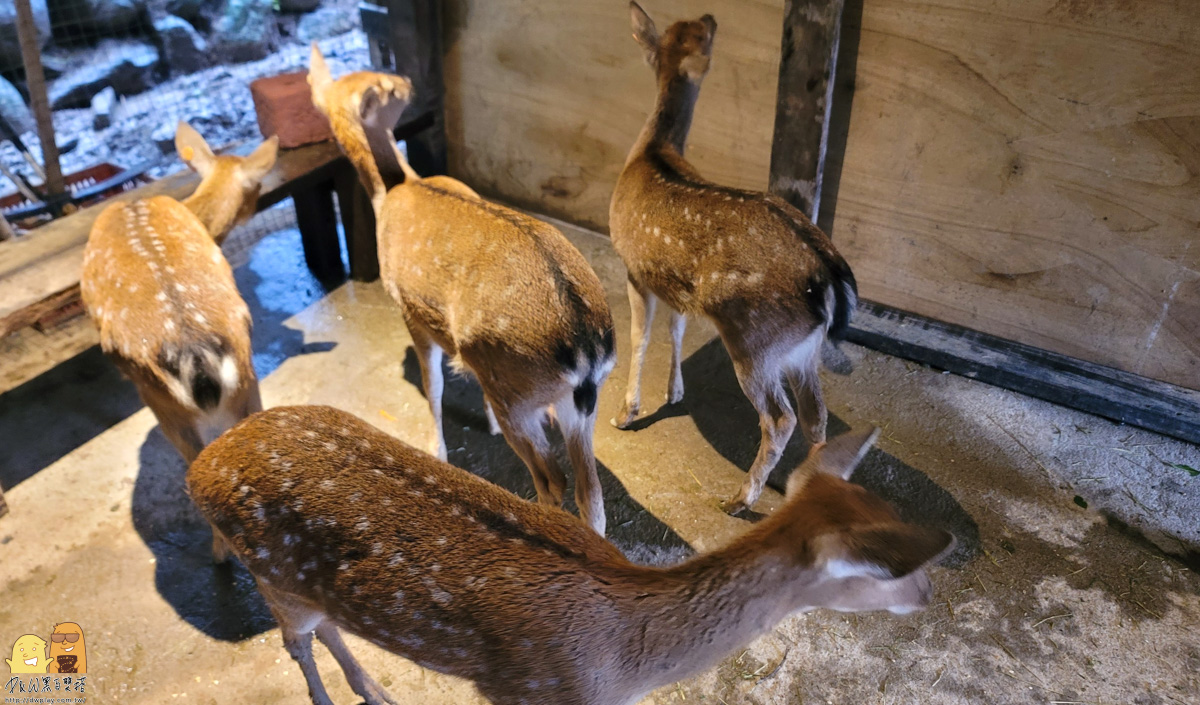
(1043, 601)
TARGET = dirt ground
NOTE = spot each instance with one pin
(1043, 601)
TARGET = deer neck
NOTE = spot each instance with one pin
(217, 202)
(671, 120)
(691, 615)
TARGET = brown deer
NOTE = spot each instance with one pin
(504, 294)
(345, 527)
(157, 286)
(770, 281)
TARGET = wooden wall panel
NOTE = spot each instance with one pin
(544, 99)
(1031, 169)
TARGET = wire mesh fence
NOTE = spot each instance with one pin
(122, 73)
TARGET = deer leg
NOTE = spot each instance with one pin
(675, 386)
(429, 355)
(810, 404)
(363, 685)
(297, 624)
(493, 424)
(641, 305)
(523, 430)
(777, 421)
(578, 426)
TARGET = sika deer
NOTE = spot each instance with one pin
(345, 527)
(157, 286)
(504, 294)
(758, 268)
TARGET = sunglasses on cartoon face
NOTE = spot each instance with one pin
(70, 638)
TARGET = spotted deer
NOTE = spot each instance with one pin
(347, 528)
(157, 286)
(770, 281)
(504, 294)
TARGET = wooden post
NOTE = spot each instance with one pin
(317, 222)
(35, 78)
(358, 224)
(807, 65)
(416, 39)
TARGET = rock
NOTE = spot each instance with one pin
(102, 108)
(298, 5)
(326, 22)
(104, 18)
(164, 137)
(10, 46)
(187, 9)
(245, 31)
(13, 108)
(128, 66)
(183, 49)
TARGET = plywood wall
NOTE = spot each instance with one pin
(1027, 168)
(1031, 168)
(544, 99)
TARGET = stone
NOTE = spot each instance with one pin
(326, 22)
(189, 10)
(298, 5)
(129, 67)
(184, 51)
(10, 45)
(13, 108)
(164, 137)
(285, 108)
(104, 18)
(245, 31)
(103, 104)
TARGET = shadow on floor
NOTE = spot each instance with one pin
(723, 415)
(637, 532)
(72, 403)
(221, 601)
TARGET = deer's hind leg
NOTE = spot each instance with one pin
(429, 355)
(762, 382)
(578, 426)
(360, 681)
(297, 622)
(802, 377)
(522, 428)
(675, 385)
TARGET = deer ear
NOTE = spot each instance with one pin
(644, 32)
(193, 149)
(260, 161)
(884, 551)
(837, 457)
(318, 74)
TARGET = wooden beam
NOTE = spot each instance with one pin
(416, 43)
(1079, 384)
(807, 67)
(35, 79)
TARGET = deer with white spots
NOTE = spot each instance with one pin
(505, 295)
(771, 282)
(347, 528)
(157, 286)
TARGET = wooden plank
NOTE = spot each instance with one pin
(1028, 169)
(317, 220)
(807, 67)
(47, 263)
(1079, 384)
(358, 225)
(544, 100)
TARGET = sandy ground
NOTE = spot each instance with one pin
(1043, 601)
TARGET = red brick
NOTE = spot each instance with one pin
(284, 107)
